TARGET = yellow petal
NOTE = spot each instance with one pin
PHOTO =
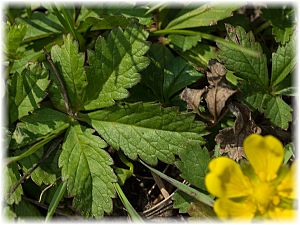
(282, 214)
(265, 155)
(287, 186)
(227, 209)
(226, 179)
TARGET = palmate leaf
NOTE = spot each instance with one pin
(205, 15)
(247, 67)
(34, 127)
(26, 90)
(147, 130)
(86, 169)
(70, 64)
(115, 65)
(283, 62)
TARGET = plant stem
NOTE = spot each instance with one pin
(211, 38)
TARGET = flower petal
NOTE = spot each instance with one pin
(282, 214)
(287, 186)
(265, 155)
(226, 179)
(227, 209)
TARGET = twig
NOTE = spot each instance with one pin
(30, 171)
(160, 185)
(63, 89)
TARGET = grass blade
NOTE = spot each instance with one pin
(59, 193)
(186, 189)
(131, 211)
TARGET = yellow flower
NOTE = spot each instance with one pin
(263, 189)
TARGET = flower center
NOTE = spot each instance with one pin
(263, 194)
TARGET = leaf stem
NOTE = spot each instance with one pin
(211, 38)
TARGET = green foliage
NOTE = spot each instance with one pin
(147, 130)
(182, 201)
(184, 42)
(114, 66)
(94, 93)
(15, 36)
(205, 15)
(282, 20)
(259, 92)
(70, 65)
(193, 165)
(34, 127)
(26, 90)
(249, 68)
(166, 74)
(12, 176)
(86, 169)
(39, 175)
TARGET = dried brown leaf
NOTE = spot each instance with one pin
(216, 98)
(192, 97)
(231, 139)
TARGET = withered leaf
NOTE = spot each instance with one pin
(216, 98)
(231, 139)
(217, 74)
(200, 210)
(192, 97)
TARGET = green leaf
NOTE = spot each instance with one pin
(178, 75)
(26, 90)
(86, 168)
(115, 64)
(12, 176)
(279, 112)
(39, 175)
(147, 130)
(103, 23)
(70, 64)
(42, 122)
(283, 35)
(247, 67)
(40, 25)
(8, 213)
(198, 210)
(167, 74)
(27, 210)
(14, 37)
(193, 165)
(182, 201)
(289, 152)
(282, 20)
(258, 100)
(184, 42)
(283, 62)
(205, 15)
(27, 57)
